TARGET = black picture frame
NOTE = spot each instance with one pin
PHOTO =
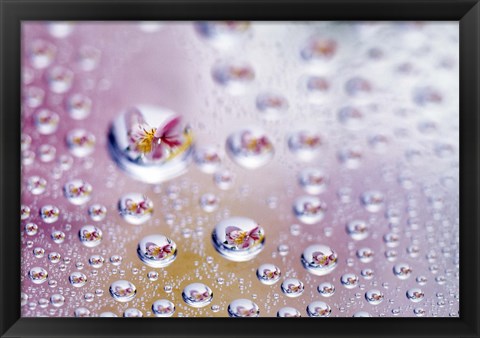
(467, 12)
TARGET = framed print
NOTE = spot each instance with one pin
(180, 166)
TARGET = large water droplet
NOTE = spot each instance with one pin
(46, 121)
(123, 291)
(349, 280)
(288, 312)
(77, 191)
(243, 308)
(135, 208)
(151, 143)
(326, 289)
(309, 209)
(157, 250)
(238, 238)
(77, 279)
(250, 147)
(374, 297)
(318, 309)
(402, 270)
(197, 295)
(60, 79)
(222, 34)
(313, 181)
(271, 105)
(415, 295)
(90, 236)
(42, 54)
(319, 259)
(163, 308)
(80, 142)
(358, 229)
(49, 213)
(268, 274)
(38, 275)
(305, 144)
(234, 76)
(292, 287)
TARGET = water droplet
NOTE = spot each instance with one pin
(79, 106)
(46, 153)
(271, 105)
(288, 312)
(234, 76)
(358, 87)
(82, 312)
(151, 143)
(361, 314)
(36, 185)
(38, 275)
(243, 308)
(350, 157)
(427, 95)
(89, 58)
(150, 26)
(123, 291)
(313, 181)
(419, 312)
(223, 179)
(309, 209)
(77, 279)
(292, 287)
(319, 259)
(305, 144)
(163, 308)
(349, 280)
(60, 79)
(42, 54)
(60, 29)
(96, 261)
(351, 117)
(319, 49)
(250, 147)
(222, 34)
(58, 236)
(365, 255)
(90, 236)
(152, 276)
(97, 212)
(197, 295)
(157, 251)
(374, 297)
(268, 274)
(132, 313)
(77, 191)
(238, 238)
(80, 142)
(207, 159)
(415, 295)
(402, 270)
(33, 97)
(316, 87)
(318, 309)
(54, 257)
(31, 229)
(391, 240)
(57, 300)
(135, 208)
(116, 260)
(46, 121)
(326, 289)
(373, 201)
(209, 202)
(358, 229)
(49, 213)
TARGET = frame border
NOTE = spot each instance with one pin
(12, 12)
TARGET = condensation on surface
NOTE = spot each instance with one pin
(353, 146)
